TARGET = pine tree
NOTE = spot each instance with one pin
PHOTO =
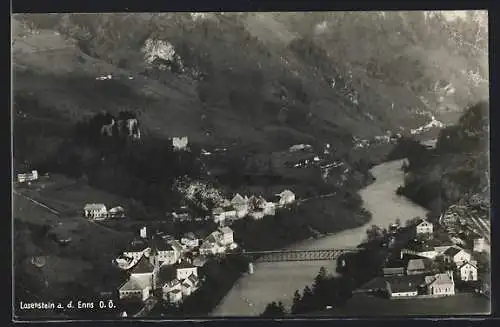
(274, 309)
(318, 289)
(307, 300)
(281, 308)
(296, 305)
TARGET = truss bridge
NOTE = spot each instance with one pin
(298, 255)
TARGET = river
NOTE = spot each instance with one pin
(278, 281)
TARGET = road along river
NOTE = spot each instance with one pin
(278, 281)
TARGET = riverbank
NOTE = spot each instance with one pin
(278, 281)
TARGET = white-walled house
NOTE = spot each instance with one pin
(167, 254)
(124, 262)
(175, 296)
(424, 228)
(27, 177)
(95, 210)
(227, 235)
(135, 287)
(286, 197)
(190, 240)
(170, 286)
(222, 214)
(136, 249)
(269, 208)
(468, 272)
(212, 248)
(190, 284)
(116, 212)
(240, 205)
(257, 214)
(180, 143)
(185, 269)
(440, 284)
(140, 282)
(457, 255)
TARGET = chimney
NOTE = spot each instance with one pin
(143, 232)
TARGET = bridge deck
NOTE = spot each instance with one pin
(298, 255)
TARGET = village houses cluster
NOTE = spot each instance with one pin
(98, 211)
(227, 211)
(161, 263)
(416, 272)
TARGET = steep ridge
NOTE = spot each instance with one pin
(306, 75)
(458, 169)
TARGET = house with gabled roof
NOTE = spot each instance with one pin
(240, 205)
(418, 266)
(190, 284)
(27, 177)
(457, 255)
(95, 211)
(227, 235)
(175, 296)
(190, 240)
(185, 269)
(136, 249)
(468, 272)
(440, 284)
(177, 246)
(212, 248)
(165, 251)
(222, 214)
(136, 287)
(424, 227)
(142, 268)
(403, 286)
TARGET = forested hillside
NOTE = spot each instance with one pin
(257, 82)
(458, 169)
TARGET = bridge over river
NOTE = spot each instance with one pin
(297, 255)
(277, 281)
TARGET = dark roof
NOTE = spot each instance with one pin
(452, 251)
(193, 278)
(184, 264)
(160, 243)
(142, 267)
(468, 263)
(136, 246)
(400, 284)
(166, 274)
(395, 262)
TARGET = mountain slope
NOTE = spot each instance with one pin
(458, 169)
(250, 68)
(268, 80)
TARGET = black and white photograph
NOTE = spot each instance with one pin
(191, 165)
